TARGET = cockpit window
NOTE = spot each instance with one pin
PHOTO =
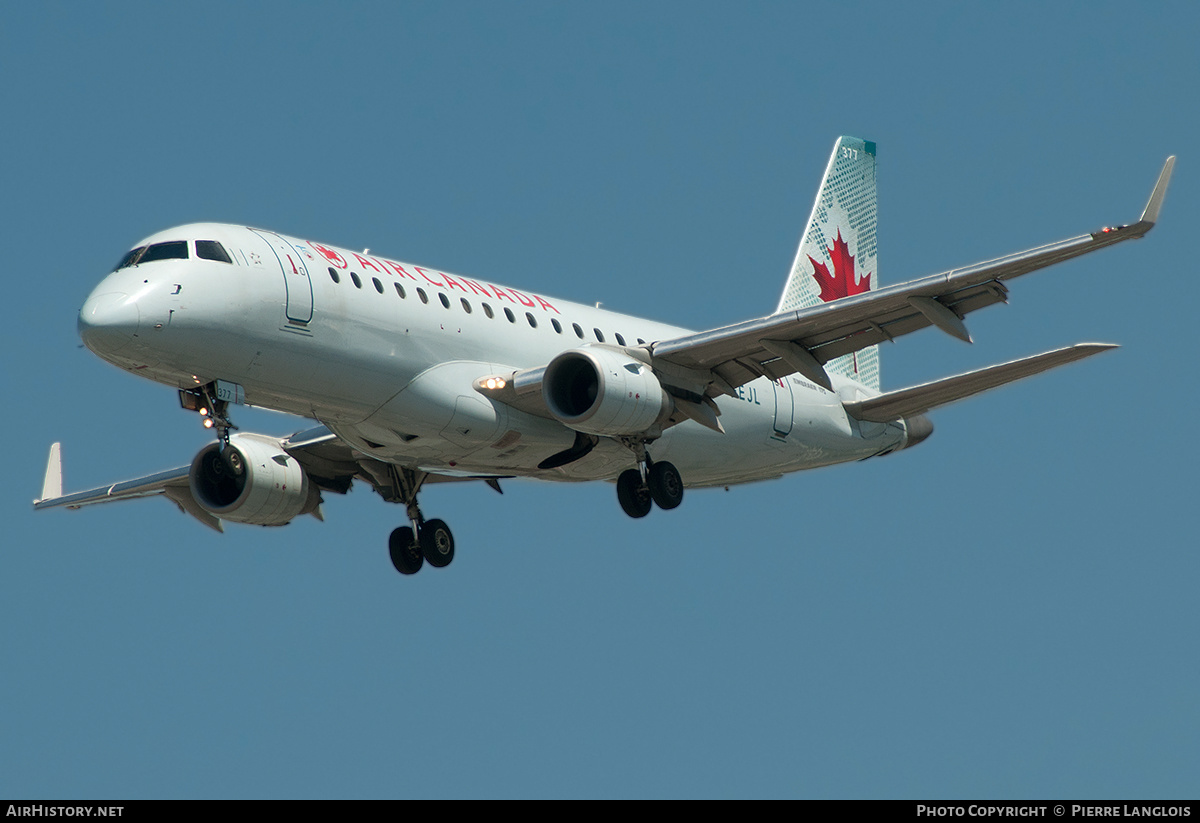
(212, 250)
(130, 258)
(175, 250)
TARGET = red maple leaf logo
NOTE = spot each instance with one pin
(842, 282)
(330, 255)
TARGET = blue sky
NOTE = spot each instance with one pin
(1007, 611)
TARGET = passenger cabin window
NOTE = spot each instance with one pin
(578, 331)
(357, 281)
(466, 306)
(599, 335)
(212, 250)
(378, 286)
(488, 311)
(399, 289)
(557, 326)
(445, 300)
(334, 276)
(620, 340)
(421, 294)
(512, 318)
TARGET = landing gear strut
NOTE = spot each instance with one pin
(650, 483)
(425, 540)
(215, 413)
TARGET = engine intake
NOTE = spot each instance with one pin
(254, 482)
(600, 391)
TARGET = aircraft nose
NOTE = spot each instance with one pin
(108, 322)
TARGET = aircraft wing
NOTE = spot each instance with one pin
(804, 340)
(172, 483)
(329, 461)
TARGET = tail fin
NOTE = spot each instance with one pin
(837, 255)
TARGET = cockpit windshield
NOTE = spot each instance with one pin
(130, 258)
(174, 250)
(212, 250)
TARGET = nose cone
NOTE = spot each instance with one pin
(108, 322)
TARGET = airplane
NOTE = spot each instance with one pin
(416, 376)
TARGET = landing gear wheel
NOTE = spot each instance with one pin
(666, 486)
(406, 555)
(633, 494)
(437, 543)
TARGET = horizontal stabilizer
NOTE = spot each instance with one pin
(918, 399)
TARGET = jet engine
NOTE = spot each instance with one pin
(254, 481)
(606, 392)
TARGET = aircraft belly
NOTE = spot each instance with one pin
(608, 459)
(754, 447)
(438, 420)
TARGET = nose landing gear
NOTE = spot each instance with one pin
(214, 412)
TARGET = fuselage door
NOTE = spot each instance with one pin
(784, 407)
(295, 277)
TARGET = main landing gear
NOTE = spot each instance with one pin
(425, 540)
(432, 541)
(638, 490)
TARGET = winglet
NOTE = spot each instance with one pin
(1150, 215)
(52, 485)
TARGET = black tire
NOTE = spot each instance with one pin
(437, 543)
(666, 486)
(406, 555)
(633, 494)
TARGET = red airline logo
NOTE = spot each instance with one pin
(842, 282)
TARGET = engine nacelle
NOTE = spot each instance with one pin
(255, 482)
(600, 391)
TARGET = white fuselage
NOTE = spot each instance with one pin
(385, 354)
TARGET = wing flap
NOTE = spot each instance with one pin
(920, 399)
